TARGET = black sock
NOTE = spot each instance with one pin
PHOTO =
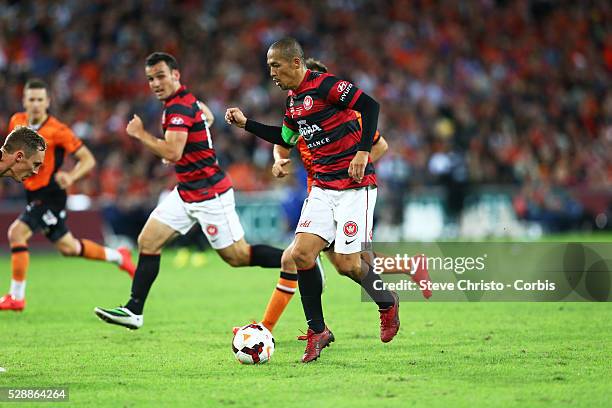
(311, 288)
(383, 298)
(146, 272)
(266, 256)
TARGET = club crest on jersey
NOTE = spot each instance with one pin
(307, 131)
(212, 230)
(350, 229)
(308, 102)
(177, 120)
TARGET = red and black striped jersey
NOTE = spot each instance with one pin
(199, 176)
(306, 156)
(320, 111)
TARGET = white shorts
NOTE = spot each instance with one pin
(343, 216)
(217, 217)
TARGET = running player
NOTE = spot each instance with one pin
(320, 108)
(282, 294)
(22, 154)
(46, 196)
(204, 194)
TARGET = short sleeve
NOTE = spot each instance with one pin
(179, 118)
(66, 138)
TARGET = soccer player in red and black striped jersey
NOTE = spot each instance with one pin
(204, 194)
(321, 109)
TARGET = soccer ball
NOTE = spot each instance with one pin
(253, 344)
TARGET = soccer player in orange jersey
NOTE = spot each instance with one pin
(46, 196)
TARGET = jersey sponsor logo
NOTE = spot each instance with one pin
(291, 102)
(177, 120)
(308, 102)
(347, 242)
(212, 230)
(350, 229)
(305, 224)
(318, 143)
(307, 131)
(342, 86)
(346, 91)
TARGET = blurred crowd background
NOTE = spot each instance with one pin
(510, 95)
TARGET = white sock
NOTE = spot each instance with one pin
(18, 289)
(112, 255)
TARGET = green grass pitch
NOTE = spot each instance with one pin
(445, 355)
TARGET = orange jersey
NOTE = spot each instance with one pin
(60, 141)
(306, 155)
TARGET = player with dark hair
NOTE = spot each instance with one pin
(281, 296)
(204, 194)
(321, 109)
(46, 196)
(22, 154)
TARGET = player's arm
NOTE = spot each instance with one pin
(281, 159)
(283, 136)
(210, 118)
(85, 162)
(169, 148)
(379, 149)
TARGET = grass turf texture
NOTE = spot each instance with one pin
(446, 354)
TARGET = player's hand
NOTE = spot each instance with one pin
(135, 127)
(278, 168)
(358, 164)
(63, 179)
(234, 116)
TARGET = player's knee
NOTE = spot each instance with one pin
(302, 257)
(287, 263)
(348, 267)
(67, 249)
(15, 233)
(147, 244)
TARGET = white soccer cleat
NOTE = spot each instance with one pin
(121, 316)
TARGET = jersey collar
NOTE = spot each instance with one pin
(303, 83)
(174, 95)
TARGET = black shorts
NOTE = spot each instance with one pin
(48, 218)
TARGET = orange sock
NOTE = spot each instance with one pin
(284, 291)
(20, 259)
(91, 250)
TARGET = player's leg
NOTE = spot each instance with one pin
(168, 220)
(224, 231)
(315, 230)
(18, 235)
(416, 269)
(68, 245)
(283, 292)
(354, 216)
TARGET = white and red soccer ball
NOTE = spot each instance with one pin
(253, 344)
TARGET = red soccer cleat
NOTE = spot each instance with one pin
(316, 343)
(126, 261)
(422, 274)
(389, 321)
(8, 302)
